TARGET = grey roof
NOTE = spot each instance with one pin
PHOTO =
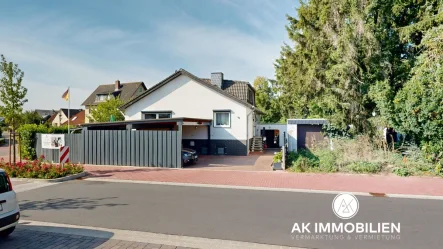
(236, 88)
(72, 112)
(127, 92)
(308, 121)
(204, 82)
(147, 121)
(44, 113)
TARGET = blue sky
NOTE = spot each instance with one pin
(86, 43)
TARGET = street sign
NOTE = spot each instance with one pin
(64, 154)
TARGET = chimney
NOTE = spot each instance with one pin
(117, 85)
(217, 79)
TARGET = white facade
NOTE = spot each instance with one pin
(292, 137)
(185, 97)
(282, 128)
(59, 119)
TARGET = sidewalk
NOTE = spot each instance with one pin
(368, 184)
(37, 234)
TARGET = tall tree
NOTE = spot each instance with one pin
(326, 73)
(266, 100)
(31, 117)
(419, 104)
(108, 111)
(347, 62)
(12, 95)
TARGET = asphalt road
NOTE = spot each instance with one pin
(244, 215)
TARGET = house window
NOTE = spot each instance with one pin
(251, 97)
(222, 119)
(156, 115)
(102, 97)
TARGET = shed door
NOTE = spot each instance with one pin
(308, 135)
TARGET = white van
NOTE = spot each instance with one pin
(9, 209)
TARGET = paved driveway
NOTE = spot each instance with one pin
(252, 162)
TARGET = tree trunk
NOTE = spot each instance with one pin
(9, 141)
(19, 147)
(13, 148)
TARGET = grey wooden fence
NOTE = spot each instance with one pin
(121, 147)
(75, 143)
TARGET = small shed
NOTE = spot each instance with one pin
(304, 133)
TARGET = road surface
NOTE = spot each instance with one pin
(265, 217)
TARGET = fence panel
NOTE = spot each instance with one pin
(132, 148)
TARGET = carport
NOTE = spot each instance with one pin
(150, 142)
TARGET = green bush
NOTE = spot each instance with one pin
(328, 161)
(278, 157)
(364, 167)
(28, 137)
(433, 151)
(402, 171)
(303, 160)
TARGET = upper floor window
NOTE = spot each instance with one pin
(251, 97)
(102, 97)
(156, 115)
(222, 119)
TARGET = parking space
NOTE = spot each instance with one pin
(252, 162)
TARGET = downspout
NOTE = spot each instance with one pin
(247, 130)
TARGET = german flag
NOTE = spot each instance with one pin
(66, 95)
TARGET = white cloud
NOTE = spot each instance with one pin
(210, 48)
(57, 51)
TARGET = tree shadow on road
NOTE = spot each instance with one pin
(69, 203)
(34, 236)
(93, 173)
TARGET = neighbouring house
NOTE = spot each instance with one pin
(125, 91)
(77, 119)
(61, 116)
(229, 105)
(45, 114)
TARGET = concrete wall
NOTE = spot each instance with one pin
(195, 132)
(87, 114)
(292, 137)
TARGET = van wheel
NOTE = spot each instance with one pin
(7, 232)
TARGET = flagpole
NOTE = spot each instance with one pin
(69, 107)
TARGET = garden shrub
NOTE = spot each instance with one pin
(278, 157)
(327, 160)
(28, 137)
(364, 167)
(303, 160)
(402, 171)
(40, 169)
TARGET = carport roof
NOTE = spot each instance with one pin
(308, 121)
(148, 121)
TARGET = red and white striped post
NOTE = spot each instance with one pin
(64, 155)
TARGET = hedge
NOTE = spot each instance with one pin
(28, 137)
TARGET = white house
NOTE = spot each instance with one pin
(61, 117)
(229, 104)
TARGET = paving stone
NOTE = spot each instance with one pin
(28, 239)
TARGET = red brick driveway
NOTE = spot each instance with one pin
(331, 182)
